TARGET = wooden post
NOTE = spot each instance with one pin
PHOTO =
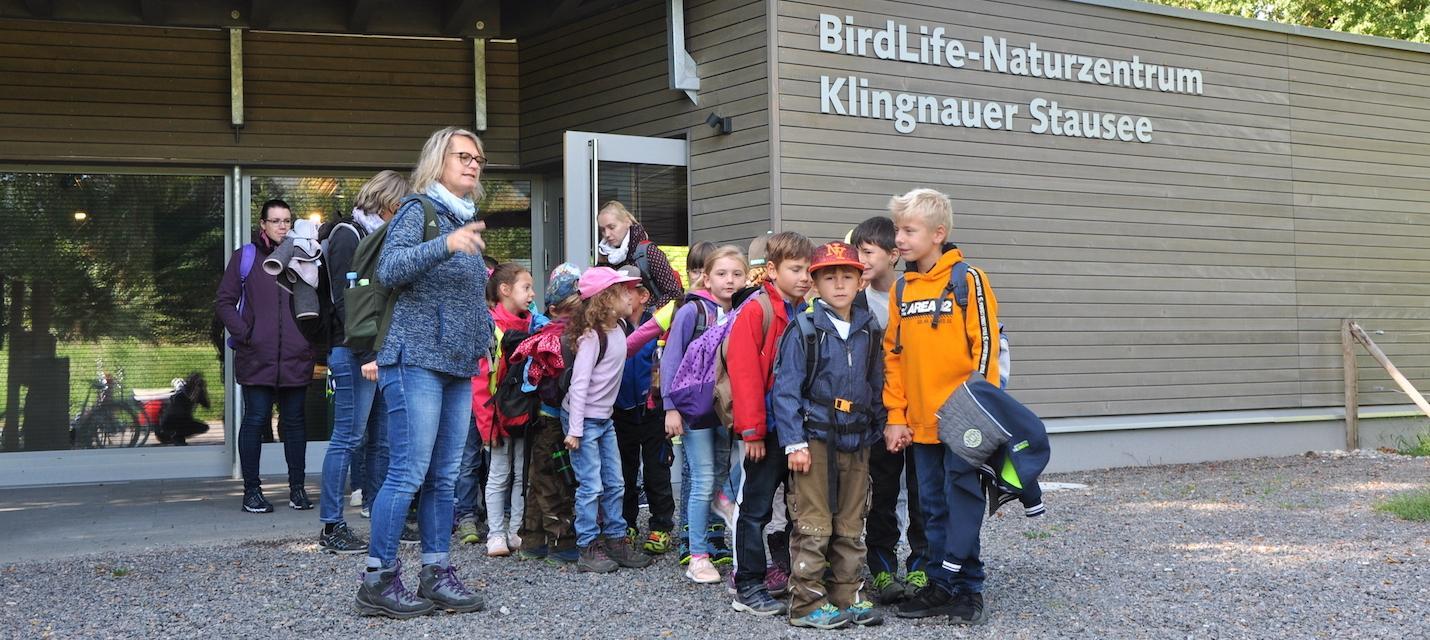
(1385, 362)
(1352, 384)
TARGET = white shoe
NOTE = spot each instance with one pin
(356, 499)
(496, 547)
(513, 541)
(701, 571)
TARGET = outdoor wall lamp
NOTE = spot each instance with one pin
(722, 125)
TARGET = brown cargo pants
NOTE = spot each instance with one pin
(823, 538)
(550, 504)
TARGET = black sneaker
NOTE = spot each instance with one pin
(968, 609)
(410, 534)
(927, 602)
(298, 499)
(754, 599)
(383, 594)
(254, 502)
(341, 540)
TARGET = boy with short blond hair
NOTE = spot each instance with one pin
(750, 352)
(932, 346)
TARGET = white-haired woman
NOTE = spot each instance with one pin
(440, 327)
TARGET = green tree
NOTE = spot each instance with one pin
(1399, 19)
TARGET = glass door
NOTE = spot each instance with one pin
(646, 175)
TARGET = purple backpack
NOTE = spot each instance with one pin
(245, 266)
(692, 390)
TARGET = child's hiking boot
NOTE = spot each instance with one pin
(410, 534)
(441, 586)
(720, 552)
(533, 553)
(776, 579)
(887, 588)
(827, 616)
(633, 536)
(254, 502)
(341, 540)
(298, 499)
(684, 552)
(863, 614)
(593, 559)
(701, 571)
(563, 557)
(620, 551)
(657, 542)
(383, 594)
(968, 609)
(927, 602)
(753, 599)
(467, 532)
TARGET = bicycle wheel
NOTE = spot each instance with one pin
(116, 426)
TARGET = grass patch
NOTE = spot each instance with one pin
(145, 366)
(1418, 445)
(1037, 534)
(1411, 505)
(119, 572)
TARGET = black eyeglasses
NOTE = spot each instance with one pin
(467, 159)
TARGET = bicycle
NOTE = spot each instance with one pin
(113, 418)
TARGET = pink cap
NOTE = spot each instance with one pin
(597, 279)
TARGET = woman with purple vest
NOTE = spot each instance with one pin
(272, 360)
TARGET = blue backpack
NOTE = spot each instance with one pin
(958, 288)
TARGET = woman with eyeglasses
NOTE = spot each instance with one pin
(440, 327)
(272, 361)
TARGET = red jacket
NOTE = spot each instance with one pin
(750, 361)
(485, 382)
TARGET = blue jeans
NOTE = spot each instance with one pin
(374, 452)
(471, 477)
(257, 416)
(352, 405)
(700, 481)
(427, 417)
(952, 503)
(598, 469)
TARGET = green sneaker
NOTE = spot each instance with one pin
(538, 553)
(862, 613)
(887, 589)
(917, 580)
(467, 532)
(633, 536)
(657, 542)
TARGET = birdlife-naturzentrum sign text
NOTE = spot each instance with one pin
(852, 96)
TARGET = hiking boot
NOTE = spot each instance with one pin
(825, 617)
(298, 499)
(593, 559)
(720, 553)
(441, 586)
(927, 602)
(684, 552)
(496, 546)
(342, 540)
(887, 588)
(862, 613)
(624, 554)
(467, 531)
(656, 543)
(382, 594)
(563, 557)
(701, 571)
(776, 580)
(968, 609)
(254, 502)
(755, 600)
(534, 553)
(410, 534)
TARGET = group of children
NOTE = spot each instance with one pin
(808, 411)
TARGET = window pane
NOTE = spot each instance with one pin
(506, 210)
(109, 284)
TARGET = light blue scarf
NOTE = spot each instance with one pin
(463, 208)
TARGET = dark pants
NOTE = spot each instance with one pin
(640, 436)
(472, 479)
(756, 507)
(951, 498)
(882, 535)
(550, 516)
(257, 415)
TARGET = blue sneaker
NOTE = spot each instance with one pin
(825, 617)
(862, 613)
(563, 557)
(755, 600)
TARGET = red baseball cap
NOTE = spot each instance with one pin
(835, 254)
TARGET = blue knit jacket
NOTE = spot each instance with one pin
(440, 321)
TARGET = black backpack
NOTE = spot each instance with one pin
(513, 409)
(552, 392)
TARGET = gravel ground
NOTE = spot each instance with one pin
(1283, 547)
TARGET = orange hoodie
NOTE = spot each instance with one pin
(933, 362)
